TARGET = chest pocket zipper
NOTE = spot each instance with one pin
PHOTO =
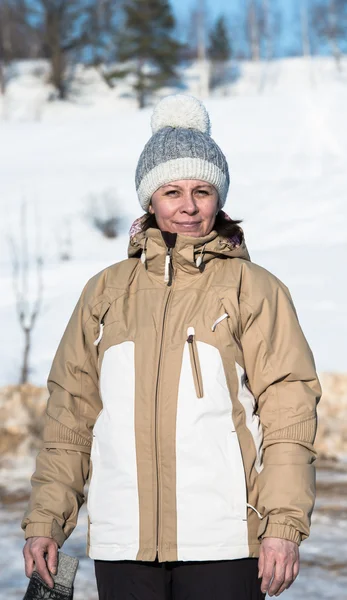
(195, 363)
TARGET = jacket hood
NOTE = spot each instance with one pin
(191, 254)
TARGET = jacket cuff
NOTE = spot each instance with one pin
(51, 530)
(279, 530)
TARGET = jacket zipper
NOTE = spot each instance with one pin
(169, 280)
(195, 363)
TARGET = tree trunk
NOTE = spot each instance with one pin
(25, 366)
(201, 31)
(333, 37)
(141, 98)
(140, 88)
(53, 26)
(253, 31)
(267, 30)
(2, 78)
(336, 52)
(204, 78)
(305, 32)
(204, 87)
(7, 49)
(58, 72)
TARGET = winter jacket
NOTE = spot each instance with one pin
(184, 387)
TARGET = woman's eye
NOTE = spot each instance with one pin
(203, 192)
(171, 192)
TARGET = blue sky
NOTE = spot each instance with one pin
(288, 8)
(216, 6)
(223, 6)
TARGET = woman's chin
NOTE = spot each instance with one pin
(190, 230)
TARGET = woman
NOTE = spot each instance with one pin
(185, 388)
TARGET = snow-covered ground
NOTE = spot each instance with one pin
(287, 151)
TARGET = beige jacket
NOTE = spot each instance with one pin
(188, 395)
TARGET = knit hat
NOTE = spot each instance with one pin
(181, 147)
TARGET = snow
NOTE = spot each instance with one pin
(287, 150)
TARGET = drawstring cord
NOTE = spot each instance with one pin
(143, 254)
(255, 510)
(167, 266)
(225, 316)
(99, 338)
(200, 258)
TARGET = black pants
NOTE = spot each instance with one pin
(211, 580)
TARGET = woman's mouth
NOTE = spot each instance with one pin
(188, 224)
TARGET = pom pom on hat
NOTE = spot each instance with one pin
(181, 111)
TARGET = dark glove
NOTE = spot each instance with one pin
(63, 581)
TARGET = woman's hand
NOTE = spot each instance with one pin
(34, 555)
(278, 565)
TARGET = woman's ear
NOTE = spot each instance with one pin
(151, 209)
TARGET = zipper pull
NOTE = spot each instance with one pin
(194, 362)
(99, 338)
(191, 334)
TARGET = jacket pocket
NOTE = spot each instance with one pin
(195, 363)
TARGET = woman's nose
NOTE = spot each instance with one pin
(189, 204)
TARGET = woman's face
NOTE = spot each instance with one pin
(187, 207)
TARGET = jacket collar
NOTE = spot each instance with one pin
(190, 255)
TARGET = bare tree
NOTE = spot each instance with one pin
(104, 213)
(253, 32)
(201, 30)
(64, 240)
(102, 28)
(267, 39)
(202, 49)
(60, 26)
(267, 32)
(334, 30)
(189, 50)
(17, 39)
(330, 23)
(28, 309)
(6, 41)
(305, 28)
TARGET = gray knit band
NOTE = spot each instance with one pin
(66, 571)
(176, 152)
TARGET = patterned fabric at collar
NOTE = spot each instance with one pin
(234, 241)
(151, 247)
